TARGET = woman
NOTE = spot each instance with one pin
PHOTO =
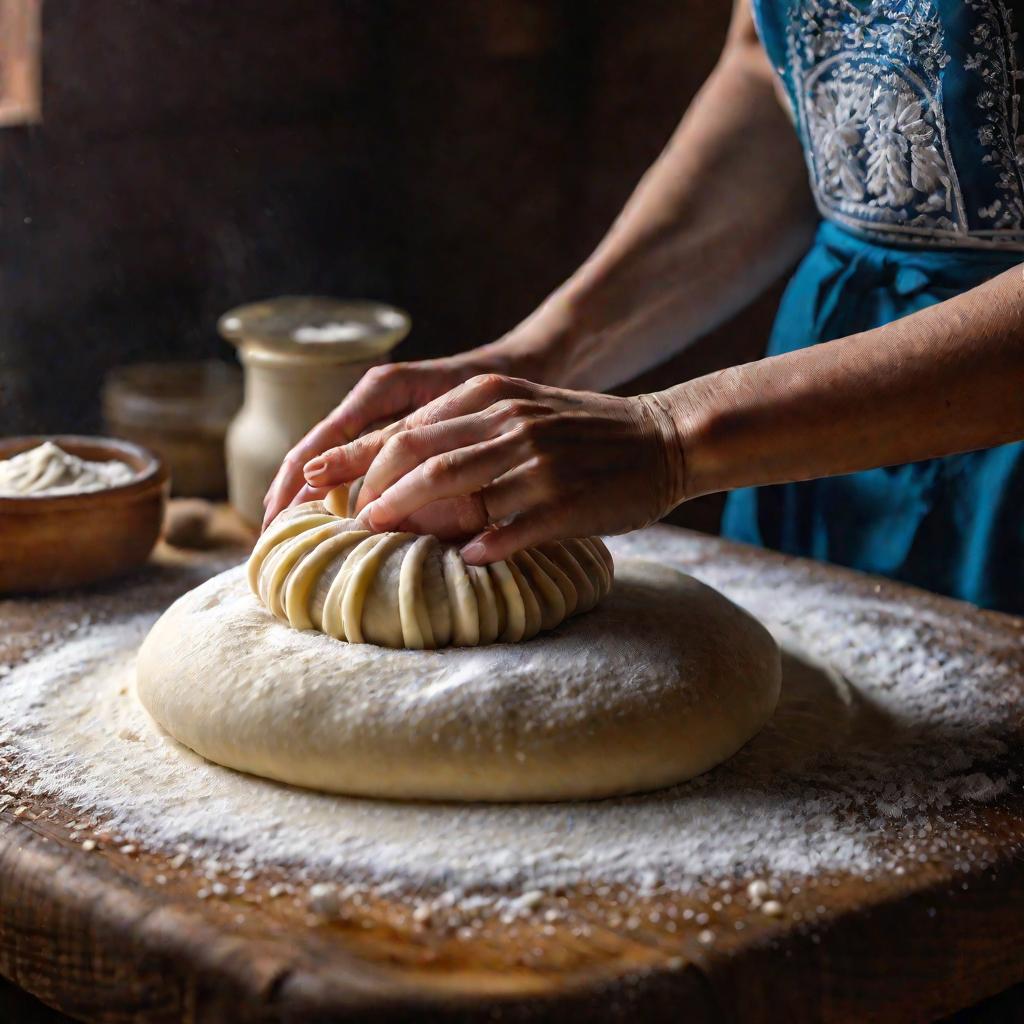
(905, 114)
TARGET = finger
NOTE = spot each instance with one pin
(534, 526)
(474, 395)
(348, 461)
(289, 478)
(352, 459)
(282, 489)
(307, 493)
(380, 393)
(525, 486)
(404, 451)
(281, 492)
(303, 494)
(447, 475)
(386, 455)
(452, 519)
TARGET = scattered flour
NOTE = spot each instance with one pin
(49, 470)
(890, 729)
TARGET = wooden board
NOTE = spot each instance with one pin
(97, 935)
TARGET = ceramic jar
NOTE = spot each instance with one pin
(300, 356)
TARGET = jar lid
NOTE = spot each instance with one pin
(316, 327)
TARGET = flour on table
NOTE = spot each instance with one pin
(49, 470)
(887, 728)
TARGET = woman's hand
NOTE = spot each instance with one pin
(649, 289)
(516, 464)
(383, 393)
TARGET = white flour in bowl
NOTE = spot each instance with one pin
(47, 470)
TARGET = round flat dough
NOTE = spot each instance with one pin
(661, 682)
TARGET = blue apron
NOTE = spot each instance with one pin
(907, 111)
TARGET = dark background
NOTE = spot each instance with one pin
(456, 157)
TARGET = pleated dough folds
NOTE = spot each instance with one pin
(314, 568)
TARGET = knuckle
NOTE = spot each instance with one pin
(508, 409)
(396, 445)
(543, 471)
(384, 434)
(519, 409)
(489, 383)
(422, 417)
(521, 434)
(335, 457)
(534, 415)
(438, 468)
(531, 433)
(384, 371)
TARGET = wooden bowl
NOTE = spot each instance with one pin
(69, 540)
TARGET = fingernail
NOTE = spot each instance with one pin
(375, 515)
(314, 467)
(473, 551)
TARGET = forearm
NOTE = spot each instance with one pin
(720, 214)
(947, 379)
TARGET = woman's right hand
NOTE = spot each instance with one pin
(533, 349)
(385, 393)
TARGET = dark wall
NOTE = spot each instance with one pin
(457, 158)
(191, 155)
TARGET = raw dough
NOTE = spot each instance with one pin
(49, 470)
(662, 681)
(316, 570)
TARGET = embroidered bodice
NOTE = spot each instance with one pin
(908, 111)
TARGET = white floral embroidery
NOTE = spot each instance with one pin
(904, 161)
(995, 60)
(868, 80)
(837, 115)
(875, 142)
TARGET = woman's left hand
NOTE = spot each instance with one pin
(516, 464)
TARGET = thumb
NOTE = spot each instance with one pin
(449, 518)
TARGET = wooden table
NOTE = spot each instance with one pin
(94, 935)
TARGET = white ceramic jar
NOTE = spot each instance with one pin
(300, 356)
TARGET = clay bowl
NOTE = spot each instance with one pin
(69, 540)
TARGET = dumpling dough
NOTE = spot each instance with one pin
(659, 683)
(317, 570)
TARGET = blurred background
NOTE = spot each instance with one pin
(455, 158)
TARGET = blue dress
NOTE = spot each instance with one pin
(908, 114)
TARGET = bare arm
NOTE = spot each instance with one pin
(531, 458)
(722, 212)
(947, 379)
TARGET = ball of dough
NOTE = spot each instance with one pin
(189, 524)
(316, 570)
(659, 683)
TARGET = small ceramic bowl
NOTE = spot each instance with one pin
(69, 540)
